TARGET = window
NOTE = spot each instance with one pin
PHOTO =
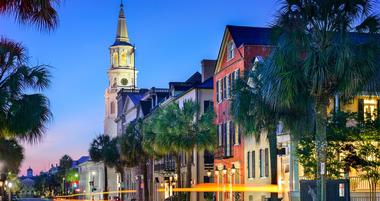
(266, 162)
(236, 134)
(228, 77)
(112, 105)
(230, 50)
(262, 163)
(253, 164)
(128, 59)
(228, 139)
(249, 164)
(123, 59)
(220, 137)
(237, 74)
(224, 88)
(219, 91)
(207, 105)
(115, 59)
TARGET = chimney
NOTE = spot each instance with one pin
(208, 68)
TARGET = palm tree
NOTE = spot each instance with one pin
(250, 110)
(184, 129)
(40, 13)
(114, 160)
(23, 114)
(316, 51)
(100, 152)
(11, 155)
(133, 151)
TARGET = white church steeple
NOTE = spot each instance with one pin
(122, 73)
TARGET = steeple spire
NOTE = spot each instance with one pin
(122, 33)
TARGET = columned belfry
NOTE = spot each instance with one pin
(122, 73)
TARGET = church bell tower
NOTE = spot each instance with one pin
(122, 73)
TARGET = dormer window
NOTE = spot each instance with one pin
(230, 50)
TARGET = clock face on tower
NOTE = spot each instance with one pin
(124, 81)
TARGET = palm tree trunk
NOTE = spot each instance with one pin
(272, 137)
(178, 170)
(105, 196)
(145, 175)
(321, 144)
(188, 173)
(294, 169)
(152, 180)
(121, 183)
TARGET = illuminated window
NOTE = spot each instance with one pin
(123, 59)
(115, 59)
(370, 108)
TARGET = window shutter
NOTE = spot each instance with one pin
(261, 162)
(361, 109)
(220, 136)
(253, 164)
(224, 88)
(224, 138)
(248, 164)
(378, 109)
(266, 162)
(217, 90)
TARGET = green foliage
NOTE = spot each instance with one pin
(183, 128)
(100, 149)
(72, 175)
(131, 145)
(11, 155)
(352, 142)
(40, 13)
(65, 162)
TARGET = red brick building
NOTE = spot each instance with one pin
(239, 49)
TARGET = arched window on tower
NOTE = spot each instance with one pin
(128, 59)
(115, 59)
(123, 59)
(112, 107)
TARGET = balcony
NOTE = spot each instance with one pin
(165, 164)
(222, 153)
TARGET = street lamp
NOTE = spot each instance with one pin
(10, 190)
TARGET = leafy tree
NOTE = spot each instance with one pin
(352, 144)
(315, 52)
(101, 151)
(65, 163)
(182, 129)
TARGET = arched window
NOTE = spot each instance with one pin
(115, 59)
(128, 59)
(112, 107)
(123, 59)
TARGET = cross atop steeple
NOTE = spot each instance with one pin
(122, 32)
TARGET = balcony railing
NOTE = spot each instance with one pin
(165, 164)
(221, 152)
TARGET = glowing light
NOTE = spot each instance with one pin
(235, 188)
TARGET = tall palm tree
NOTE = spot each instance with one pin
(11, 155)
(316, 52)
(23, 114)
(184, 129)
(250, 111)
(134, 153)
(100, 152)
(40, 13)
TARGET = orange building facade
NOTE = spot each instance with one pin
(239, 49)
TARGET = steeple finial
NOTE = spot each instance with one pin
(122, 33)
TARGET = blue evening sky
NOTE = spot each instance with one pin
(171, 36)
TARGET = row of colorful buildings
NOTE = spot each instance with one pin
(239, 159)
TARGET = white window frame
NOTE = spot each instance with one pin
(230, 50)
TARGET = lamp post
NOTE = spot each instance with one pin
(10, 190)
(92, 185)
(224, 172)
